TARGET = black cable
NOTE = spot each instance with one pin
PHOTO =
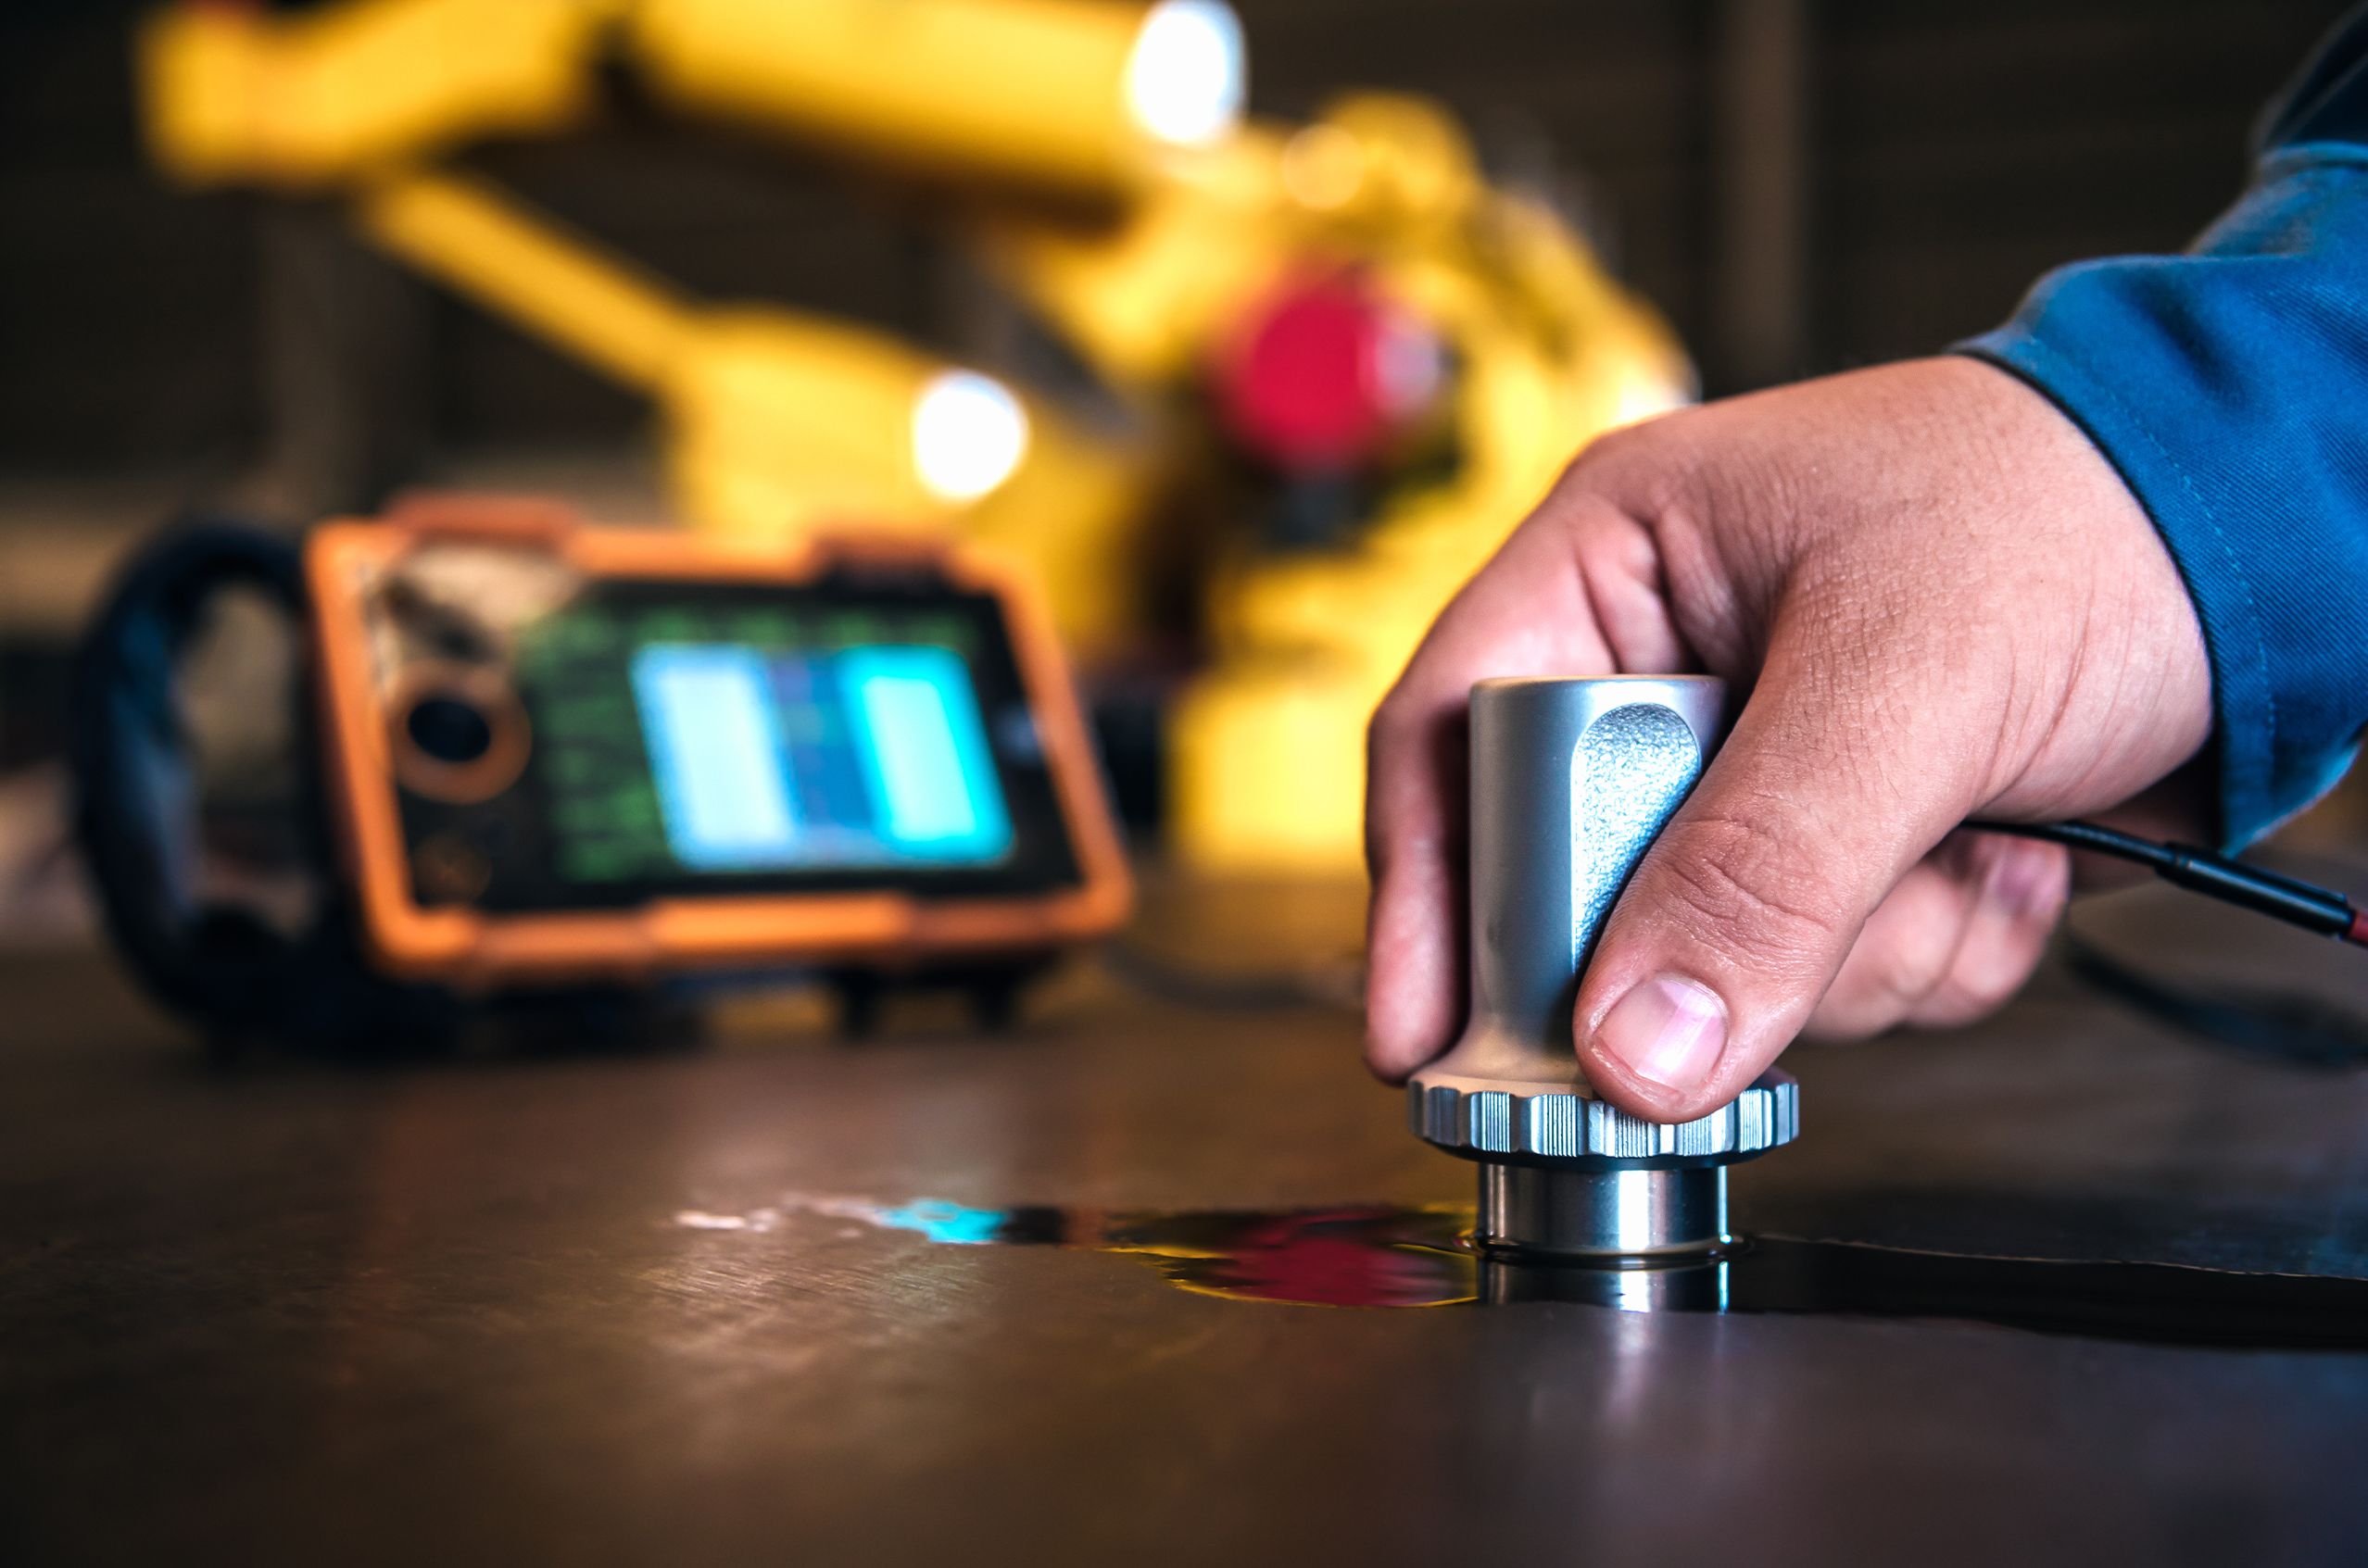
(2298, 903)
(2299, 1030)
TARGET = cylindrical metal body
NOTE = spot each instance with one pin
(1625, 1213)
(1571, 781)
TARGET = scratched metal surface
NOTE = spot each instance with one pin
(454, 1314)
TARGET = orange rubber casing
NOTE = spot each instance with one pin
(476, 950)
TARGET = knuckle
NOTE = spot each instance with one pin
(1967, 993)
(1979, 982)
(1587, 463)
(1659, 463)
(1650, 456)
(1906, 968)
(1849, 1015)
(1886, 979)
(1744, 887)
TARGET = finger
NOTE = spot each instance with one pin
(1415, 837)
(2022, 897)
(1841, 774)
(1957, 937)
(1904, 949)
(1527, 612)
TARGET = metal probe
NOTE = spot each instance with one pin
(1571, 782)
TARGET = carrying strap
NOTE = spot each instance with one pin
(135, 814)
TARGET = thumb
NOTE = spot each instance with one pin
(1739, 916)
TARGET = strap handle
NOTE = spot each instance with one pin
(222, 966)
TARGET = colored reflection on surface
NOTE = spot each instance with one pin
(1378, 1256)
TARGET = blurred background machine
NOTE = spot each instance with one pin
(575, 776)
(1268, 393)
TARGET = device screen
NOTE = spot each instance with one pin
(766, 759)
(701, 737)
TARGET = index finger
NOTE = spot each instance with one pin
(1526, 613)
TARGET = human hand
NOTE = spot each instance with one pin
(1943, 602)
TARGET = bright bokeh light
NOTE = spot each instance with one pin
(969, 432)
(1185, 76)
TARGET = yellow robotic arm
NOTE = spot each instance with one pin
(1086, 94)
(1079, 93)
(236, 96)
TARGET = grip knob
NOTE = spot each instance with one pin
(1571, 781)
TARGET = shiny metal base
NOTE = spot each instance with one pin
(1545, 1211)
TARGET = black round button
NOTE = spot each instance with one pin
(450, 729)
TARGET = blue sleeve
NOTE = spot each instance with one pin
(2229, 385)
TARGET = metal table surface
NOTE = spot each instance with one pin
(496, 1309)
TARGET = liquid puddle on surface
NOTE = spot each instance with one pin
(1422, 1256)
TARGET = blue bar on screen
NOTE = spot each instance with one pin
(925, 753)
(715, 745)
